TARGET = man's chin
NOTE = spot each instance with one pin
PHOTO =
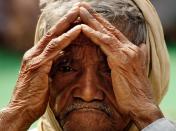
(87, 120)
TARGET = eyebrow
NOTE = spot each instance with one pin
(68, 53)
(70, 60)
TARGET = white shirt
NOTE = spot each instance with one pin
(162, 124)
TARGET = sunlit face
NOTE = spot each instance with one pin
(82, 97)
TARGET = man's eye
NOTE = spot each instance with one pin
(106, 70)
(65, 69)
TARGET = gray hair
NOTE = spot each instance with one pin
(123, 14)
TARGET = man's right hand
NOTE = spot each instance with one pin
(31, 94)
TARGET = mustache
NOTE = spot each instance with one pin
(79, 104)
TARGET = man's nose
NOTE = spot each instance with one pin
(88, 87)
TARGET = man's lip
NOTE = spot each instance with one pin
(80, 106)
(82, 110)
(87, 109)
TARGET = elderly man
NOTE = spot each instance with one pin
(101, 66)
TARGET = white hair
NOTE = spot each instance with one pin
(123, 14)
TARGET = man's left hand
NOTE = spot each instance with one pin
(128, 66)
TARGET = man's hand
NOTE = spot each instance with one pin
(127, 62)
(31, 94)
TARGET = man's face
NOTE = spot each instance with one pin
(81, 93)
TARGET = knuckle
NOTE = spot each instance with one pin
(105, 37)
(50, 32)
(111, 28)
(30, 53)
(110, 41)
(47, 37)
(66, 36)
(65, 17)
(34, 63)
(52, 43)
(51, 46)
(27, 55)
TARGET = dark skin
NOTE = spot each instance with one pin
(128, 97)
(86, 88)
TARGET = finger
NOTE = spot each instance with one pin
(45, 68)
(104, 22)
(65, 21)
(88, 19)
(54, 48)
(106, 42)
(60, 27)
(132, 54)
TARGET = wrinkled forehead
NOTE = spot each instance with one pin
(83, 49)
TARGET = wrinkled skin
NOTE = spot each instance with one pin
(95, 92)
(82, 92)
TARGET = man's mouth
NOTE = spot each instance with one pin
(80, 107)
(83, 113)
(88, 109)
